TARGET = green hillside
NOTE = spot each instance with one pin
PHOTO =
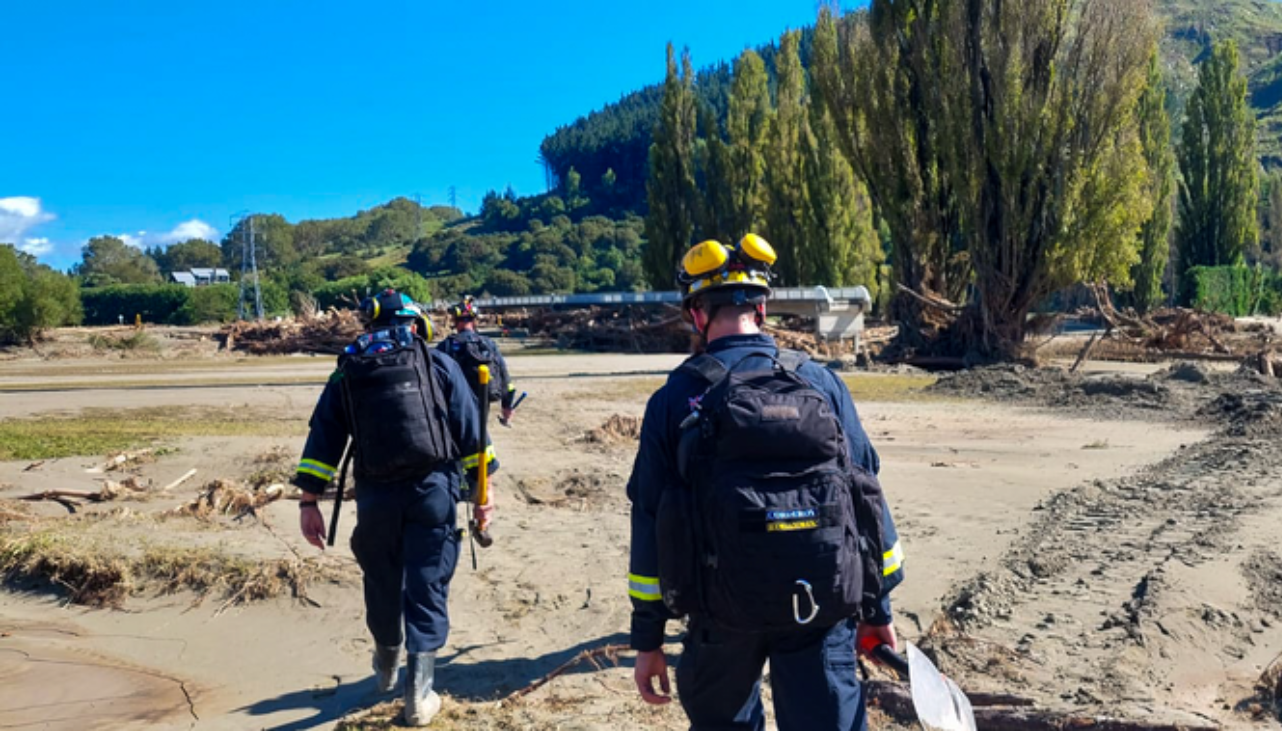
(1191, 26)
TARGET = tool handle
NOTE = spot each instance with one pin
(338, 496)
(519, 399)
(483, 537)
(892, 660)
(482, 463)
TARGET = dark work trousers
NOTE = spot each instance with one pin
(812, 672)
(407, 546)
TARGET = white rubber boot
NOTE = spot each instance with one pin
(387, 661)
(421, 702)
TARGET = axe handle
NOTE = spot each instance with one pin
(483, 465)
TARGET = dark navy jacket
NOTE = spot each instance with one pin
(329, 433)
(655, 470)
(453, 343)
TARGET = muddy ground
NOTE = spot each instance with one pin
(1103, 545)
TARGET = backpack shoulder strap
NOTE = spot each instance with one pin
(705, 367)
(792, 360)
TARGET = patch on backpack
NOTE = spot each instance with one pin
(780, 412)
(789, 520)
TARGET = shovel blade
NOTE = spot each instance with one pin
(940, 704)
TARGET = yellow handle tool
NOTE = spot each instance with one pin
(482, 457)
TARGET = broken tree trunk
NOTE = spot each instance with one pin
(1086, 351)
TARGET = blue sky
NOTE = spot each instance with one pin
(162, 119)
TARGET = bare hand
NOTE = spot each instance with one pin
(869, 638)
(651, 665)
(312, 524)
(506, 413)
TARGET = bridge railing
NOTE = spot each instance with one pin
(818, 295)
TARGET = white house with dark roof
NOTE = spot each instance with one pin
(202, 276)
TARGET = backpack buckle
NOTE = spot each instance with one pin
(814, 606)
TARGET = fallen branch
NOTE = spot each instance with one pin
(935, 302)
(1086, 351)
(896, 701)
(609, 652)
(34, 466)
(179, 481)
(68, 499)
(118, 461)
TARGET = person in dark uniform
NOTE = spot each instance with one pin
(414, 428)
(472, 349)
(813, 668)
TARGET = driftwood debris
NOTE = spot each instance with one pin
(224, 497)
(1000, 712)
(327, 333)
(72, 499)
(601, 329)
(187, 476)
(1182, 334)
(120, 461)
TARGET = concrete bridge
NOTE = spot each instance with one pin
(838, 312)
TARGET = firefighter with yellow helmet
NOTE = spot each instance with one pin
(756, 512)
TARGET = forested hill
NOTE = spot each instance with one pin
(617, 138)
(1193, 25)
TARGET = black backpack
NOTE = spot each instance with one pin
(471, 353)
(774, 527)
(397, 411)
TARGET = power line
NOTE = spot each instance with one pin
(248, 269)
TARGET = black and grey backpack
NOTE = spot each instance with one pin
(774, 526)
(397, 410)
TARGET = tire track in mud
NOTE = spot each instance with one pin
(1104, 602)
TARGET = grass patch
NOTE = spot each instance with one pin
(391, 256)
(101, 431)
(262, 379)
(620, 389)
(1100, 444)
(88, 367)
(97, 574)
(890, 387)
(97, 565)
(863, 387)
(139, 341)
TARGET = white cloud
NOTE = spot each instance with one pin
(135, 240)
(19, 214)
(193, 229)
(36, 246)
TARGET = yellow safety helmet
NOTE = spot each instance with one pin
(464, 310)
(739, 274)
